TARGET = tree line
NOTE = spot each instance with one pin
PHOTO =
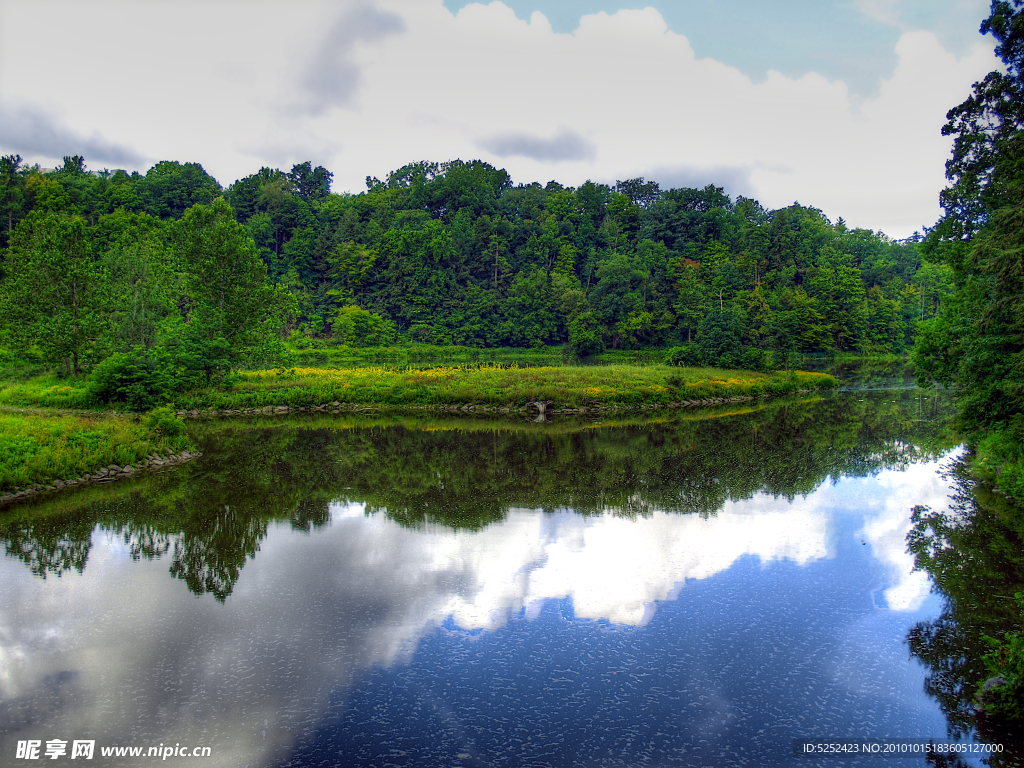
(172, 264)
(975, 343)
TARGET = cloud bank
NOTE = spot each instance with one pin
(33, 133)
(373, 86)
(567, 145)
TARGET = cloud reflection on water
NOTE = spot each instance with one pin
(126, 653)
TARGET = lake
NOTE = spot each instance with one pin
(691, 588)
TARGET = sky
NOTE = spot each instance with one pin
(837, 104)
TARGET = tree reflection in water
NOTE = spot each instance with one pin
(974, 552)
(210, 517)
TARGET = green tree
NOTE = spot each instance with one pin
(170, 188)
(837, 286)
(12, 195)
(719, 339)
(55, 295)
(355, 326)
(226, 293)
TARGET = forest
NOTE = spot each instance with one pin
(168, 274)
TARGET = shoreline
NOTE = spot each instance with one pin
(106, 474)
(113, 473)
(540, 408)
(536, 395)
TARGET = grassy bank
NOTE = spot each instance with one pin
(472, 384)
(321, 355)
(563, 387)
(38, 449)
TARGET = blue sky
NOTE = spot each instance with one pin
(840, 39)
(833, 103)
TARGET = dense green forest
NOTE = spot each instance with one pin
(170, 272)
(975, 344)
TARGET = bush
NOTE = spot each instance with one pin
(1003, 694)
(163, 422)
(688, 354)
(134, 378)
(585, 335)
(735, 356)
(352, 325)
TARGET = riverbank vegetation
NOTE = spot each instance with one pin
(490, 385)
(975, 343)
(36, 449)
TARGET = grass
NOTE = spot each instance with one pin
(33, 389)
(489, 384)
(38, 449)
(492, 385)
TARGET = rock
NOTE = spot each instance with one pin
(988, 694)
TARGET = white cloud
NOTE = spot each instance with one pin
(613, 568)
(884, 11)
(621, 96)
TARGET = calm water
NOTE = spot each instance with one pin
(340, 591)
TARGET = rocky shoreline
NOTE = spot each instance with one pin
(107, 474)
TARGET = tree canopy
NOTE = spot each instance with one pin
(448, 253)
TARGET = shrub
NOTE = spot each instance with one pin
(585, 335)
(688, 354)
(1003, 695)
(163, 422)
(136, 378)
(352, 325)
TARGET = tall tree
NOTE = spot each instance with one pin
(54, 294)
(12, 195)
(976, 342)
(228, 303)
(983, 124)
(311, 183)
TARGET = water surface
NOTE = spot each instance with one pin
(697, 590)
